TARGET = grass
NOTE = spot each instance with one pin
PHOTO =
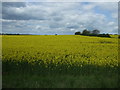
(60, 81)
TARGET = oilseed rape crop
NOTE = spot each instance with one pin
(59, 54)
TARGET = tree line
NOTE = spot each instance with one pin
(92, 33)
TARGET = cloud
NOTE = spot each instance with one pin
(110, 6)
(61, 18)
(61, 0)
(13, 0)
(14, 4)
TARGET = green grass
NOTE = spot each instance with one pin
(60, 81)
(62, 61)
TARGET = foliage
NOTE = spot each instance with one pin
(104, 35)
(77, 33)
(92, 33)
(95, 31)
(86, 32)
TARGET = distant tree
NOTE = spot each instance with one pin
(107, 35)
(55, 34)
(77, 33)
(95, 31)
(86, 32)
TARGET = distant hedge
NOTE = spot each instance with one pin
(99, 35)
(104, 35)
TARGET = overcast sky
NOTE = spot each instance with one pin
(61, 18)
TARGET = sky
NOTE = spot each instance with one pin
(63, 18)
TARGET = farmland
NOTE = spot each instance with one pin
(59, 61)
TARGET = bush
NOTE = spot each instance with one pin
(77, 33)
(104, 35)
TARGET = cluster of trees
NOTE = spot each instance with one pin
(92, 33)
(87, 32)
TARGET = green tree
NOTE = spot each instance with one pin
(77, 33)
(86, 32)
(95, 31)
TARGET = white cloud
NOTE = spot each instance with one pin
(111, 6)
(65, 18)
(111, 23)
(116, 27)
(115, 15)
(72, 29)
(37, 27)
(88, 7)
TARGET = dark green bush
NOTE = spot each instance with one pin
(103, 35)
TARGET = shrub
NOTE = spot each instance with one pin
(77, 33)
(103, 35)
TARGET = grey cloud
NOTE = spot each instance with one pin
(13, 4)
(36, 11)
(73, 26)
(9, 13)
(65, 18)
(19, 11)
(58, 18)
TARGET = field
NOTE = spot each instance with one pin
(59, 61)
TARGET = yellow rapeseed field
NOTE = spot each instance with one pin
(93, 59)
(61, 49)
